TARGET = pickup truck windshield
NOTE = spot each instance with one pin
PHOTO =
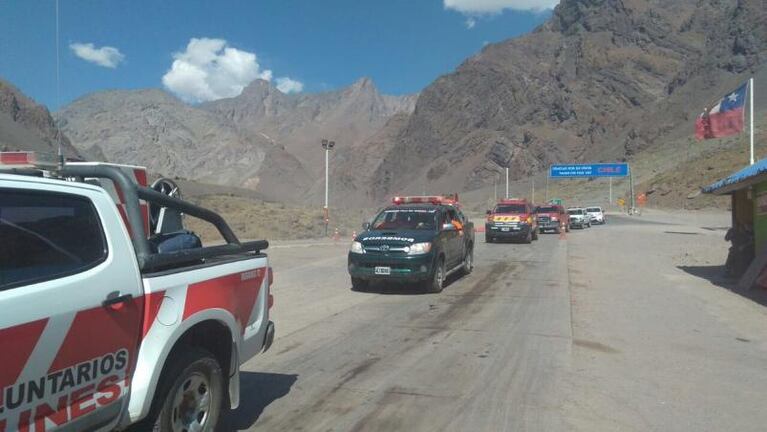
(510, 208)
(546, 210)
(575, 212)
(405, 219)
(594, 210)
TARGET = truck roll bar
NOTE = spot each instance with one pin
(148, 260)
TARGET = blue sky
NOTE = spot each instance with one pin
(306, 45)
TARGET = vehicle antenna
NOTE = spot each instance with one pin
(58, 91)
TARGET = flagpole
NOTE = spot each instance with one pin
(751, 113)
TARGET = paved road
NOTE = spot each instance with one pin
(537, 338)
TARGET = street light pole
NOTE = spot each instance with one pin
(507, 182)
(327, 145)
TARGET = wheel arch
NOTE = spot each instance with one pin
(199, 330)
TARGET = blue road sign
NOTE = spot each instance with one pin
(590, 170)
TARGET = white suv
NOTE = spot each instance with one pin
(597, 215)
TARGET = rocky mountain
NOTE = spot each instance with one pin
(25, 125)
(262, 139)
(299, 121)
(154, 129)
(601, 80)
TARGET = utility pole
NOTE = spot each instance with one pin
(610, 199)
(507, 182)
(631, 186)
(547, 187)
(327, 145)
(533, 193)
(751, 114)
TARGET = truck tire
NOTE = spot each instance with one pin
(535, 234)
(190, 395)
(359, 284)
(434, 284)
(468, 261)
(529, 237)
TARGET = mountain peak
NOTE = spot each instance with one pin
(364, 83)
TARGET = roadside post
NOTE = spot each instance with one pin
(631, 186)
(327, 146)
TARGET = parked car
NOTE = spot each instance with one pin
(579, 218)
(597, 215)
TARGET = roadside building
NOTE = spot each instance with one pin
(748, 191)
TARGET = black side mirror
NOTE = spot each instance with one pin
(489, 212)
(366, 226)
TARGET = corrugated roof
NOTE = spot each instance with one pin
(738, 180)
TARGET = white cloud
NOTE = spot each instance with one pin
(483, 7)
(105, 56)
(471, 22)
(210, 69)
(287, 85)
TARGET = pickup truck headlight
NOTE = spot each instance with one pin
(357, 248)
(418, 248)
(554, 218)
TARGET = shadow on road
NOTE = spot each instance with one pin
(258, 390)
(716, 275)
(402, 288)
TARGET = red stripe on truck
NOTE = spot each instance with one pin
(152, 303)
(98, 331)
(236, 293)
(18, 342)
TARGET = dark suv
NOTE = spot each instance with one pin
(418, 239)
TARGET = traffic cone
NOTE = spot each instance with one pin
(336, 235)
(563, 234)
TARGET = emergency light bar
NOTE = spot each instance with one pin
(426, 200)
(27, 159)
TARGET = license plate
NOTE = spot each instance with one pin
(383, 270)
(505, 229)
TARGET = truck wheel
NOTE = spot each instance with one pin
(535, 234)
(434, 285)
(191, 393)
(359, 284)
(468, 261)
(529, 237)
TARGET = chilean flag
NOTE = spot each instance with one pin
(725, 118)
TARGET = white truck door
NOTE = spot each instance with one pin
(70, 296)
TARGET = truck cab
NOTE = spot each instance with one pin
(417, 239)
(511, 219)
(102, 330)
(552, 217)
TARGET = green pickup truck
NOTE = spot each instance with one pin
(417, 239)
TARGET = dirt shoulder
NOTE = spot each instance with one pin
(660, 342)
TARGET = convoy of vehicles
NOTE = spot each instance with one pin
(120, 317)
(552, 217)
(579, 218)
(417, 239)
(112, 317)
(511, 219)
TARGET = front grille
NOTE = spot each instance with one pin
(385, 250)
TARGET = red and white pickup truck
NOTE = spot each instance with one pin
(102, 325)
